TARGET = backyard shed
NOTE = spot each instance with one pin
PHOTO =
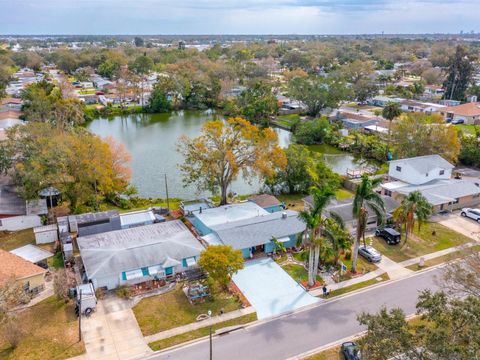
(51, 195)
(46, 234)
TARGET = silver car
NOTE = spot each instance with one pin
(370, 254)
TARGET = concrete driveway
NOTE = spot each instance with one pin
(112, 332)
(464, 226)
(270, 290)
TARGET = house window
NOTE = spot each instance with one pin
(388, 193)
(457, 200)
(426, 175)
(399, 168)
(476, 196)
(442, 172)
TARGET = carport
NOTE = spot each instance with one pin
(270, 290)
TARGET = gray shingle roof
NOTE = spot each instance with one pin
(345, 208)
(259, 230)
(113, 252)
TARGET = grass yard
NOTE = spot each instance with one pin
(423, 242)
(466, 129)
(363, 266)
(443, 259)
(329, 354)
(287, 120)
(13, 240)
(295, 201)
(361, 285)
(343, 194)
(204, 331)
(56, 261)
(298, 273)
(166, 311)
(51, 332)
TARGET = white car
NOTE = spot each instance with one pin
(471, 213)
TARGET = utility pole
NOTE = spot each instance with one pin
(80, 318)
(210, 316)
(166, 191)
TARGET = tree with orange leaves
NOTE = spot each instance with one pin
(225, 149)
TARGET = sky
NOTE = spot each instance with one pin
(238, 16)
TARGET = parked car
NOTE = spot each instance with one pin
(471, 213)
(391, 236)
(370, 253)
(458, 121)
(351, 351)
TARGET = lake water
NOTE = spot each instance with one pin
(151, 140)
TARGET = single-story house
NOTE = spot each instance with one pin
(267, 202)
(34, 254)
(136, 218)
(29, 275)
(344, 208)
(417, 106)
(383, 100)
(432, 176)
(355, 120)
(469, 113)
(248, 227)
(139, 254)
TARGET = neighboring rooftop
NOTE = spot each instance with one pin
(13, 266)
(96, 217)
(113, 252)
(136, 217)
(258, 230)
(468, 109)
(265, 200)
(230, 213)
(32, 253)
(424, 164)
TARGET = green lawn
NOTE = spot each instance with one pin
(298, 273)
(360, 285)
(287, 120)
(343, 194)
(363, 266)
(164, 312)
(443, 259)
(56, 261)
(467, 129)
(423, 242)
(13, 240)
(50, 332)
(329, 354)
(204, 331)
(295, 201)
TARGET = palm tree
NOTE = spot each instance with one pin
(313, 235)
(390, 112)
(366, 198)
(414, 208)
(336, 234)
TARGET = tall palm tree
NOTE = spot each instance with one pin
(336, 235)
(313, 219)
(366, 198)
(390, 112)
(414, 208)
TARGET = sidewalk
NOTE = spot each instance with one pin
(197, 325)
(434, 255)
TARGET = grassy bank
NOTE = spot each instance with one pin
(199, 333)
(361, 285)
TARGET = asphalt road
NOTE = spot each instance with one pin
(294, 334)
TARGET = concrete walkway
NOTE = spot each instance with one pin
(112, 332)
(393, 269)
(464, 226)
(198, 325)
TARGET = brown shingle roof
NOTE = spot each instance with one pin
(264, 200)
(14, 266)
(468, 109)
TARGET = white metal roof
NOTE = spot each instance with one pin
(32, 253)
(393, 185)
(230, 213)
(40, 229)
(136, 217)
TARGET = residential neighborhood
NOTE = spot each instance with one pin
(193, 186)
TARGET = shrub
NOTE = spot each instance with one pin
(123, 292)
(348, 254)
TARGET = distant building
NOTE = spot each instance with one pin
(469, 113)
(417, 106)
(355, 120)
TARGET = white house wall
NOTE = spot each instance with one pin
(20, 222)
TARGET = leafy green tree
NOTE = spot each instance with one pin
(390, 112)
(158, 101)
(414, 208)
(142, 65)
(460, 73)
(336, 235)
(258, 104)
(5, 78)
(221, 262)
(318, 93)
(417, 134)
(364, 89)
(109, 69)
(304, 169)
(470, 150)
(366, 199)
(311, 132)
(314, 221)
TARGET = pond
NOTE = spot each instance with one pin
(151, 140)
